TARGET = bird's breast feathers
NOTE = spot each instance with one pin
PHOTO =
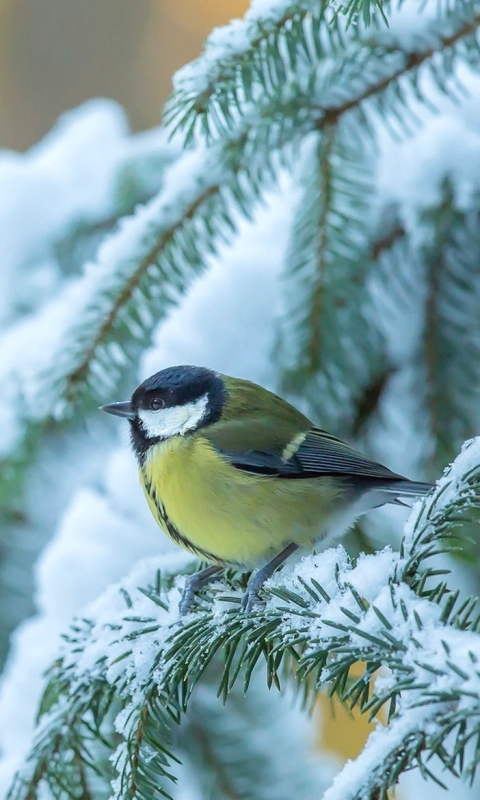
(225, 514)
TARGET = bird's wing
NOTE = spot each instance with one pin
(309, 455)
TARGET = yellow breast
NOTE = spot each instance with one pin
(227, 515)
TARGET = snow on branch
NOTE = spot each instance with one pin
(255, 59)
(233, 60)
(439, 514)
(322, 616)
(139, 272)
(325, 275)
(98, 322)
(96, 325)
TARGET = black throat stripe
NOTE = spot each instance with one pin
(166, 523)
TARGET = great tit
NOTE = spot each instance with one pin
(240, 477)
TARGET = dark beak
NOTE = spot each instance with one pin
(120, 409)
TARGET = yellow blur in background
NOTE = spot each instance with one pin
(340, 732)
(55, 54)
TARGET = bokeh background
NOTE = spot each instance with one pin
(57, 54)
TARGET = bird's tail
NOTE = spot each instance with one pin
(407, 488)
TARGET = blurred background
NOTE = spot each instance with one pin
(54, 56)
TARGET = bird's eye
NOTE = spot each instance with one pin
(156, 403)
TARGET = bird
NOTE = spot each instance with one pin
(240, 477)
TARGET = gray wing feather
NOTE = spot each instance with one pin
(320, 453)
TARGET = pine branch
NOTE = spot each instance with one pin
(384, 758)
(450, 350)
(140, 272)
(143, 268)
(326, 294)
(259, 50)
(440, 515)
(428, 284)
(323, 617)
(212, 92)
(67, 760)
(328, 81)
(368, 10)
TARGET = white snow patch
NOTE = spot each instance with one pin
(68, 175)
(448, 488)
(233, 40)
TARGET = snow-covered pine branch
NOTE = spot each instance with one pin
(288, 73)
(273, 40)
(90, 333)
(443, 360)
(326, 282)
(103, 318)
(261, 57)
(260, 49)
(130, 667)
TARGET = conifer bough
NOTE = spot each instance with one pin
(132, 670)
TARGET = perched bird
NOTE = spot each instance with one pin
(240, 477)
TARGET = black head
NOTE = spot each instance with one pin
(175, 401)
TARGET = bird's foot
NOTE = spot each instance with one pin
(192, 585)
(187, 601)
(251, 600)
(251, 597)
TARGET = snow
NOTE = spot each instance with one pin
(107, 527)
(380, 743)
(81, 307)
(449, 488)
(114, 623)
(227, 43)
(67, 176)
(70, 176)
(414, 182)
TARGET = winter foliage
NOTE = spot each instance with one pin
(130, 665)
(307, 217)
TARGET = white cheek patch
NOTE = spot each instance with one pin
(175, 420)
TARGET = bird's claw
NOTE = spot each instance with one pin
(251, 600)
(187, 600)
(193, 584)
